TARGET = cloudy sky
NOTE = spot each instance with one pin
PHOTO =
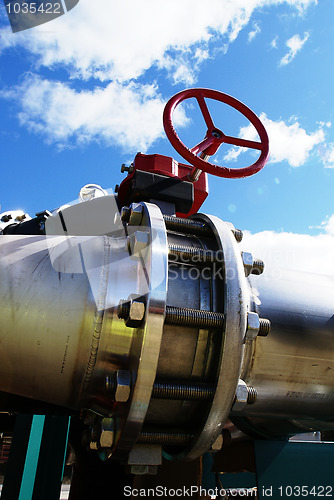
(82, 94)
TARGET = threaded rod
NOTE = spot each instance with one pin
(195, 255)
(183, 391)
(188, 226)
(181, 316)
(165, 438)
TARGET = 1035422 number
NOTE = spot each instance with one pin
(305, 491)
(34, 8)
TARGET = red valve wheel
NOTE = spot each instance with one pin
(214, 136)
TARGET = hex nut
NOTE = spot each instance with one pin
(241, 395)
(95, 432)
(253, 325)
(218, 444)
(137, 242)
(247, 260)
(137, 311)
(136, 214)
(136, 314)
(123, 386)
(143, 470)
(107, 432)
(125, 214)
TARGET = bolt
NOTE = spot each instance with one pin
(123, 309)
(137, 242)
(21, 218)
(6, 218)
(183, 391)
(251, 266)
(251, 395)
(116, 188)
(265, 326)
(258, 266)
(129, 169)
(136, 214)
(125, 214)
(107, 432)
(238, 234)
(257, 326)
(181, 316)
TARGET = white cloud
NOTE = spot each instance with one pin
(273, 43)
(328, 156)
(126, 115)
(294, 44)
(120, 40)
(328, 225)
(289, 143)
(252, 34)
(295, 252)
(115, 43)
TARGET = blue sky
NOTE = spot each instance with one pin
(82, 94)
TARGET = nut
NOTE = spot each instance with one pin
(107, 432)
(137, 311)
(136, 314)
(253, 325)
(123, 386)
(247, 260)
(136, 214)
(132, 310)
(125, 214)
(141, 470)
(218, 444)
(241, 395)
(137, 242)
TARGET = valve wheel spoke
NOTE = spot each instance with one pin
(205, 111)
(243, 143)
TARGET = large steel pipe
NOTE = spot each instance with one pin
(157, 327)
